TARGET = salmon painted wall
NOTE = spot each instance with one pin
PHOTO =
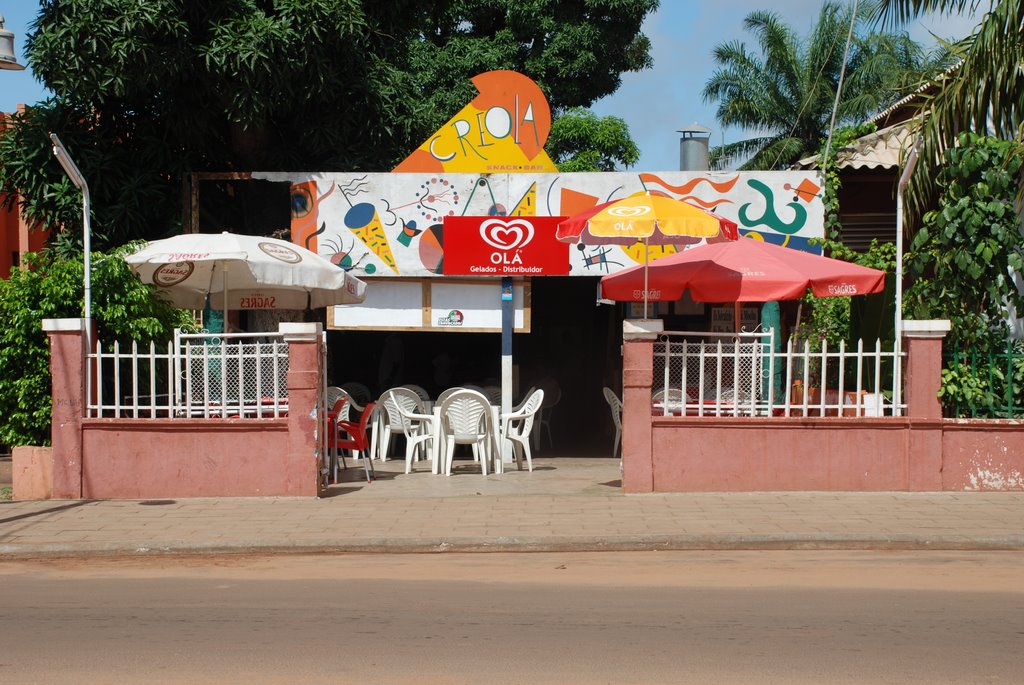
(920, 452)
(742, 455)
(168, 458)
(8, 240)
(15, 236)
(856, 455)
(983, 455)
(177, 458)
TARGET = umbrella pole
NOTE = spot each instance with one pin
(224, 325)
(645, 278)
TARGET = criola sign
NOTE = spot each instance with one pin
(504, 246)
(503, 129)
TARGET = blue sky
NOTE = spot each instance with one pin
(18, 86)
(658, 102)
(655, 103)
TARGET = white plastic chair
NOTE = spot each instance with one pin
(418, 427)
(669, 401)
(552, 395)
(359, 393)
(466, 420)
(615, 404)
(333, 394)
(446, 393)
(389, 419)
(492, 393)
(517, 425)
(419, 390)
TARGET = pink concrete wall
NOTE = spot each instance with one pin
(67, 369)
(32, 472)
(163, 458)
(743, 454)
(637, 376)
(983, 455)
(919, 452)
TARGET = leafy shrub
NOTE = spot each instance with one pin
(51, 288)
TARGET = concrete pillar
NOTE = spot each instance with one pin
(67, 370)
(923, 343)
(637, 377)
(304, 379)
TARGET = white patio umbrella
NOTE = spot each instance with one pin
(244, 272)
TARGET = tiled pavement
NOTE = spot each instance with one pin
(565, 504)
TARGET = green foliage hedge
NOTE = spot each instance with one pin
(51, 287)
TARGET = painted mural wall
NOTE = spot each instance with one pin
(391, 224)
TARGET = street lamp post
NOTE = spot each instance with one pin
(71, 169)
(7, 58)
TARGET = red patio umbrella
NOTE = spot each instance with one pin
(746, 270)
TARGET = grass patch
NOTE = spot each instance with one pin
(6, 493)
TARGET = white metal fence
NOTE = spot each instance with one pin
(741, 374)
(241, 375)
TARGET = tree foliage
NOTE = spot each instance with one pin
(983, 94)
(146, 91)
(52, 288)
(787, 88)
(963, 257)
(582, 141)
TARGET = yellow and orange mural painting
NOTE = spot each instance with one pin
(502, 130)
(391, 224)
(489, 160)
(304, 213)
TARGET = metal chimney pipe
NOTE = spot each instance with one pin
(693, 147)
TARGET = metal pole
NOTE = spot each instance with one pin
(839, 87)
(646, 246)
(908, 170)
(507, 328)
(71, 169)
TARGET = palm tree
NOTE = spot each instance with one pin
(984, 94)
(787, 91)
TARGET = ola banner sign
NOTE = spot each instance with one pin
(504, 246)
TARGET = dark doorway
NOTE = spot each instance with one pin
(573, 342)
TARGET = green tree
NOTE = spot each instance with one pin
(582, 141)
(146, 91)
(52, 288)
(787, 90)
(962, 258)
(984, 94)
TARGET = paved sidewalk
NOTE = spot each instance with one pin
(566, 504)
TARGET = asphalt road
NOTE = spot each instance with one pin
(654, 617)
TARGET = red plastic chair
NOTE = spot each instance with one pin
(352, 435)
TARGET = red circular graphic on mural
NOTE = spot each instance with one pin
(432, 248)
(167, 275)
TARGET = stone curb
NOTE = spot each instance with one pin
(642, 543)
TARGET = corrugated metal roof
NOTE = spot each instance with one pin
(923, 88)
(883, 149)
